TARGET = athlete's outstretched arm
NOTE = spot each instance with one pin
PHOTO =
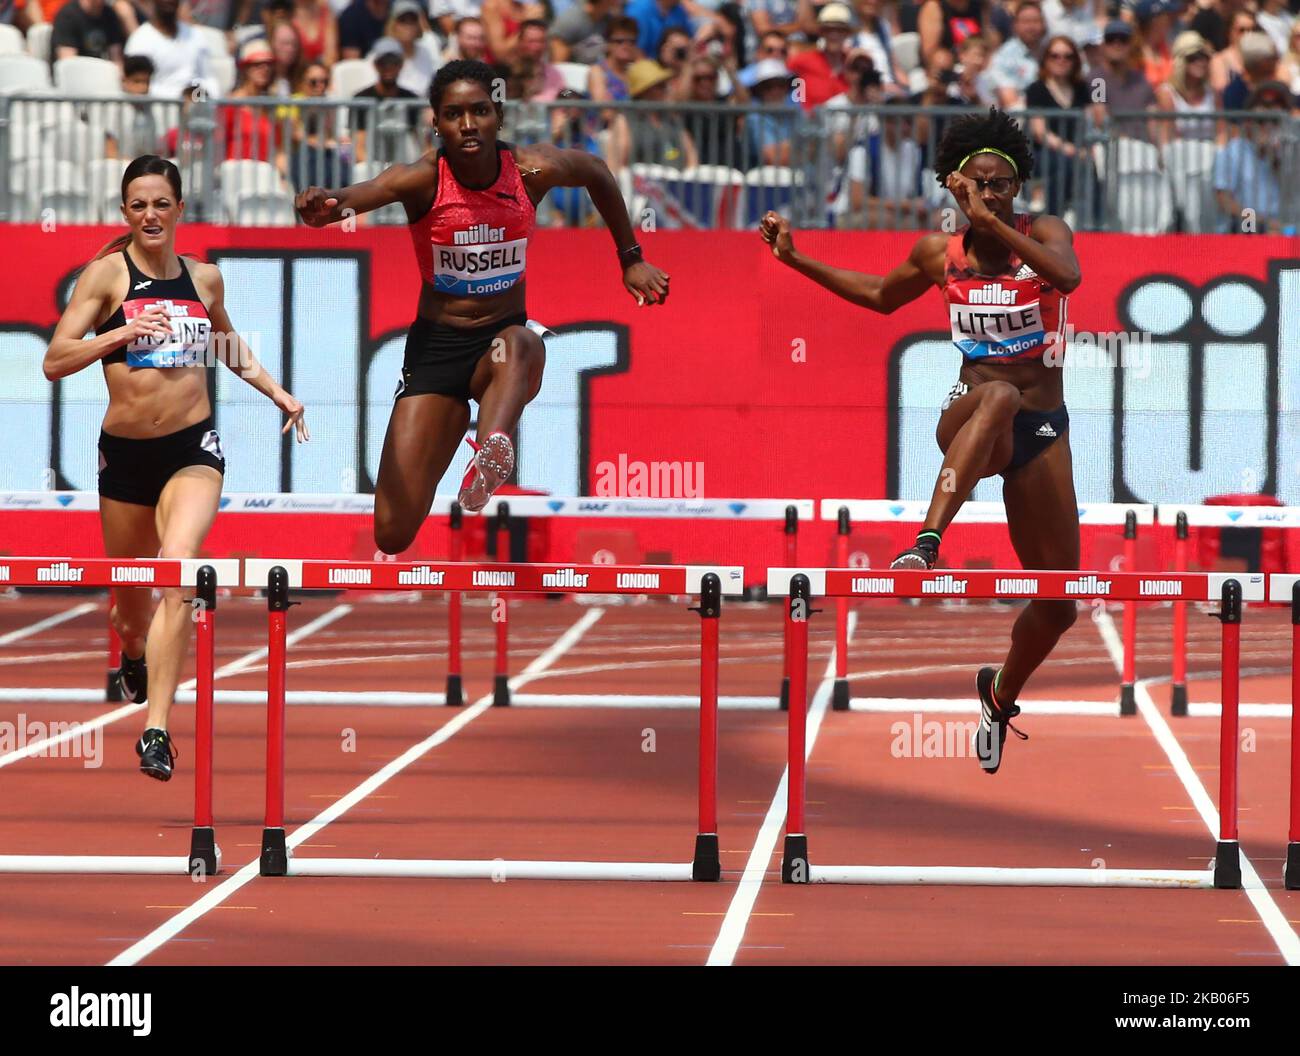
(880, 293)
(544, 166)
(70, 350)
(1048, 249)
(319, 206)
(234, 352)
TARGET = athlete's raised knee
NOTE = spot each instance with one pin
(521, 349)
(999, 400)
(392, 537)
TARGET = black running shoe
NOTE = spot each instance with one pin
(157, 754)
(987, 749)
(133, 677)
(920, 558)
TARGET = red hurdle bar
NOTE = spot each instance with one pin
(203, 840)
(794, 859)
(1178, 698)
(204, 858)
(792, 559)
(1227, 859)
(455, 695)
(501, 615)
(707, 864)
(981, 583)
(275, 854)
(840, 691)
(500, 579)
(1291, 874)
(1127, 697)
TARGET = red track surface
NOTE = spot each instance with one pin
(575, 783)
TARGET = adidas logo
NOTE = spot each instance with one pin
(1045, 430)
(1026, 272)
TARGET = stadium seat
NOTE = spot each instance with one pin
(79, 142)
(906, 50)
(1190, 164)
(1141, 203)
(576, 75)
(23, 73)
(12, 41)
(38, 41)
(349, 76)
(222, 68)
(240, 178)
(264, 209)
(82, 75)
(104, 186)
(62, 197)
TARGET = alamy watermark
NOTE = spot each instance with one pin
(53, 740)
(1104, 349)
(633, 479)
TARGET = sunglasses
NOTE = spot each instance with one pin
(1116, 39)
(1067, 55)
(317, 82)
(1199, 56)
(999, 185)
(622, 40)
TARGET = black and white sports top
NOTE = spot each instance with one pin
(190, 326)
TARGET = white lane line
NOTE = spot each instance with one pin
(1288, 942)
(47, 623)
(174, 926)
(79, 729)
(732, 932)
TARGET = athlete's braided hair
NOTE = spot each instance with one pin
(462, 70)
(996, 129)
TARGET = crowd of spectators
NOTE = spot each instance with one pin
(1193, 60)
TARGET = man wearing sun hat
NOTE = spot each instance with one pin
(820, 71)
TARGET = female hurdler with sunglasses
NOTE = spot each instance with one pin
(1005, 278)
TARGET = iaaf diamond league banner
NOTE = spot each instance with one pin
(1182, 370)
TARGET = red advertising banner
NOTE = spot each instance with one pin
(1182, 378)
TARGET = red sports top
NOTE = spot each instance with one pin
(475, 243)
(1012, 316)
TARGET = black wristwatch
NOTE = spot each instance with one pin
(631, 255)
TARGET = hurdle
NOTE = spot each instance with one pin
(205, 575)
(501, 508)
(884, 511)
(801, 585)
(710, 584)
(1285, 589)
(1182, 517)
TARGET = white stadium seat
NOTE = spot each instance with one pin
(576, 75)
(38, 40)
(23, 73)
(1190, 164)
(82, 75)
(906, 50)
(12, 41)
(240, 178)
(104, 186)
(264, 209)
(222, 68)
(349, 76)
(214, 38)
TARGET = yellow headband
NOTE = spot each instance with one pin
(990, 150)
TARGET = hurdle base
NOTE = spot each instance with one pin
(707, 863)
(785, 694)
(1291, 874)
(275, 854)
(1001, 876)
(205, 855)
(840, 695)
(455, 692)
(113, 688)
(794, 859)
(1127, 699)
(498, 870)
(501, 691)
(1227, 865)
(1178, 700)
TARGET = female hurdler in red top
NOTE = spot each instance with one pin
(471, 209)
(1005, 279)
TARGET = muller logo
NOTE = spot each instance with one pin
(1087, 585)
(477, 234)
(944, 584)
(992, 293)
(60, 572)
(565, 577)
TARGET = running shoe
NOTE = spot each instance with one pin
(919, 558)
(988, 742)
(133, 677)
(494, 461)
(157, 754)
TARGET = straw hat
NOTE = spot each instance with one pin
(644, 74)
